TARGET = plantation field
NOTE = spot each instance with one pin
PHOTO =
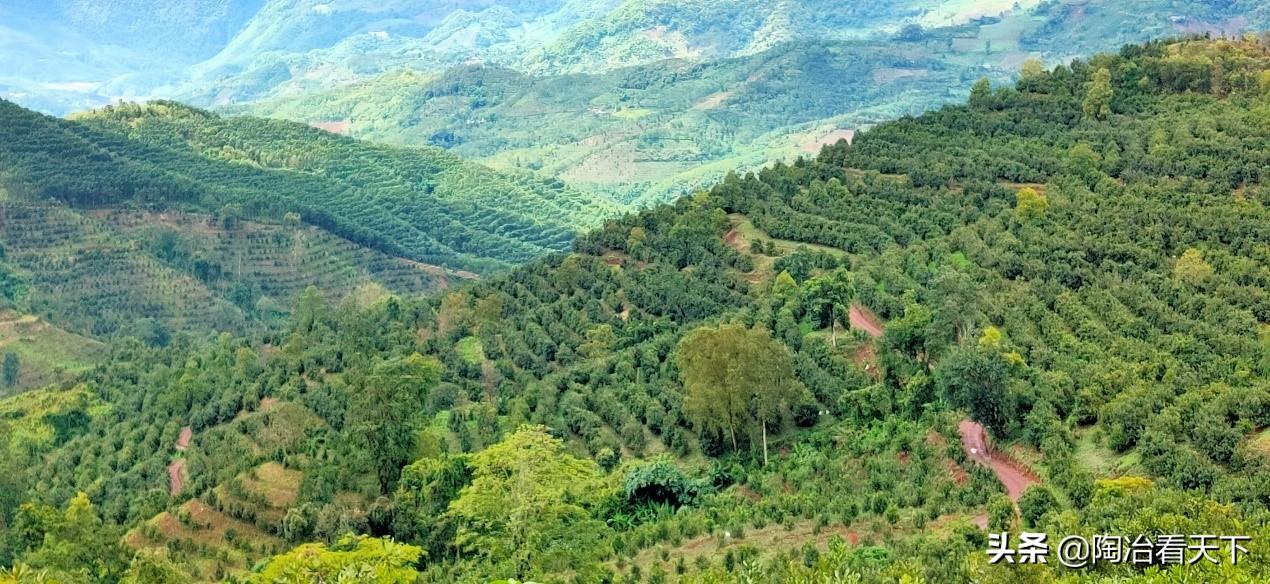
(99, 272)
(46, 354)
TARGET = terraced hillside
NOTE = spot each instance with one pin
(156, 219)
(106, 272)
(41, 353)
(1070, 273)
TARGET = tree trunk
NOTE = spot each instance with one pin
(732, 434)
(764, 442)
(833, 325)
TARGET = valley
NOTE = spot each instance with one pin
(771, 380)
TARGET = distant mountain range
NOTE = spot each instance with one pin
(65, 55)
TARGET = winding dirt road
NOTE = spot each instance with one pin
(974, 439)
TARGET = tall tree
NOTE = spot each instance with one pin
(529, 504)
(828, 297)
(383, 416)
(10, 370)
(736, 379)
(976, 379)
(1098, 97)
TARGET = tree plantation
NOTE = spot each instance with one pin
(766, 382)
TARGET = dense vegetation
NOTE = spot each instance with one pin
(161, 219)
(654, 99)
(422, 204)
(1078, 262)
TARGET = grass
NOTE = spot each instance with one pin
(470, 350)
(1102, 461)
(1261, 440)
(633, 113)
(46, 354)
(210, 542)
(272, 484)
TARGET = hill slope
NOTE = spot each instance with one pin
(655, 100)
(1078, 263)
(176, 214)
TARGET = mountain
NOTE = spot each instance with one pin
(793, 376)
(655, 99)
(642, 134)
(200, 222)
(648, 100)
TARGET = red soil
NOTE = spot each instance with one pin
(183, 440)
(176, 476)
(860, 318)
(975, 441)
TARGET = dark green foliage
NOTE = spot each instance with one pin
(382, 417)
(10, 369)
(1035, 502)
(976, 379)
(419, 203)
(1053, 331)
(660, 482)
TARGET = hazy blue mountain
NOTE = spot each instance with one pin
(65, 55)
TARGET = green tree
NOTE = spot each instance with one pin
(426, 489)
(353, 559)
(1191, 268)
(975, 378)
(1098, 96)
(736, 379)
(1000, 513)
(1032, 69)
(600, 340)
(981, 93)
(74, 545)
(10, 370)
(529, 504)
(826, 297)
(1029, 203)
(153, 567)
(1035, 502)
(383, 415)
(783, 285)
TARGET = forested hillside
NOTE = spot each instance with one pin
(657, 99)
(134, 215)
(769, 381)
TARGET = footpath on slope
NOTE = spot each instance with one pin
(859, 317)
(974, 439)
(176, 469)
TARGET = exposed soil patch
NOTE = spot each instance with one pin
(334, 127)
(176, 476)
(884, 75)
(183, 440)
(713, 101)
(829, 139)
(861, 318)
(866, 357)
(974, 439)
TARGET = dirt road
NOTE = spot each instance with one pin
(860, 318)
(176, 469)
(183, 440)
(974, 439)
(176, 476)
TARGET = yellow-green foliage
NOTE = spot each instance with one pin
(1192, 269)
(351, 560)
(1030, 203)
